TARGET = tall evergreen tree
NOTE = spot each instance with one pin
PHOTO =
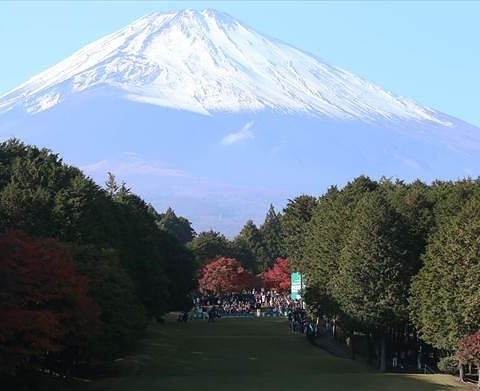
(181, 269)
(375, 268)
(140, 251)
(122, 315)
(445, 295)
(450, 197)
(111, 184)
(242, 252)
(325, 238)
(179, 227)
(324, 243)
(272, 236)
(296, 215)
(252, 239)
(209, 245)
(413, 202)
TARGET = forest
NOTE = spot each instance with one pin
(84, 269)
(385, 259)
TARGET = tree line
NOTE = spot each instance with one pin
(256, 248)
(381, 258)
(388, 258)
(83, 269)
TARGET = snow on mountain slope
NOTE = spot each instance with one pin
(206, 62)
(198, 112)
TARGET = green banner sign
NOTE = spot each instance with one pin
(297, 285)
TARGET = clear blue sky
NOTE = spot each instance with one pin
(428, 51)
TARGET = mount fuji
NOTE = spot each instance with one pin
(196, 111)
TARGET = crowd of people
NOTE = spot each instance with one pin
(260, 302)
(277, 302)
(301, 323)
(246, 303)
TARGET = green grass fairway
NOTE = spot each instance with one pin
(249, 354)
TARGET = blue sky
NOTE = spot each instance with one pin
(428, 51)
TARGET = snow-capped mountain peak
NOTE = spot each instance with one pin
(206, 61)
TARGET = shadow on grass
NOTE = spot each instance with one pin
(251, 354)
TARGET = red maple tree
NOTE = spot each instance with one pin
(468, 351)
(278, 277)
(44, 308)
(225, 275)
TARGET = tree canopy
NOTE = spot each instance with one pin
(278, 276)
(225, 275)
(209, 245)
(136, 271)
(445, 294)
(296, 215)
(177, 226)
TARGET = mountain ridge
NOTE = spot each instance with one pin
(207, 61)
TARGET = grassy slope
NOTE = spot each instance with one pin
(249, 354)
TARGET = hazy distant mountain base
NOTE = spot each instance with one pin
(222, 169)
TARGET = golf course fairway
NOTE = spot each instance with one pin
(248, 354)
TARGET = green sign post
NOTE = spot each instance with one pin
(297, 285)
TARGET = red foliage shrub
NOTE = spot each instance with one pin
(468, 350)
(225, 275)
(44, 308)
(278, 277)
